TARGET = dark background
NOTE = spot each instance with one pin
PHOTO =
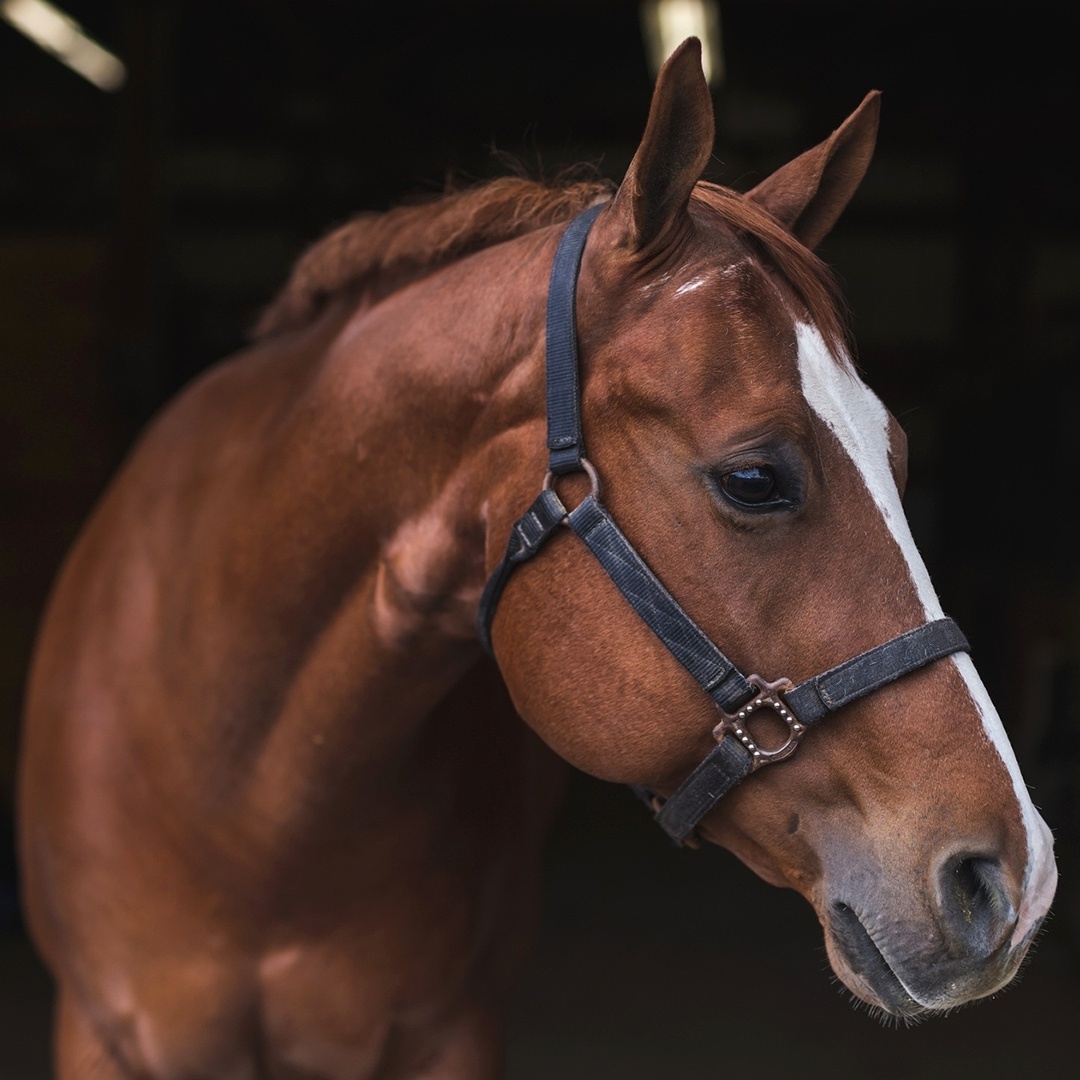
(141, 231)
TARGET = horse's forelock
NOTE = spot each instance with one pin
(811, 279)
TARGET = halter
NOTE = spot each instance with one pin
(737, 696)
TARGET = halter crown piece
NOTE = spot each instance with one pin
(737, 696)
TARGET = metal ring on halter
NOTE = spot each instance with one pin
(587, 468)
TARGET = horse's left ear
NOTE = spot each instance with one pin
(674, 151)
(810, 193)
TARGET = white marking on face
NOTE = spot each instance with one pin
(855, 415)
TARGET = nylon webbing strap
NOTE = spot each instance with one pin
(564, 439)
(812, 699)
(662, 613)
(875, 668)
(526, 538)
(726, 764)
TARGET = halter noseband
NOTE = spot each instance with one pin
(738, 697)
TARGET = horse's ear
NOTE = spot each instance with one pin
(674, 151)
(810, 193)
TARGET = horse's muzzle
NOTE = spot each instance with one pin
(952, 950)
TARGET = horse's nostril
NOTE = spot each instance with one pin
(975, 903)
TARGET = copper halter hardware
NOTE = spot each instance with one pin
(738, 697)
(768, 696)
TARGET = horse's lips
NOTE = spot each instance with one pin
(882, 985)
(869, 964)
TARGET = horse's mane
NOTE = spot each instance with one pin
(374, 254)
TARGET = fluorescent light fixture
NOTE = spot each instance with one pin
(61, 36)
(667, 23)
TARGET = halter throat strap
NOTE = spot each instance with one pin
(737, 696)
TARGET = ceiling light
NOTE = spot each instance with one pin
(667, 23)
(61, 36)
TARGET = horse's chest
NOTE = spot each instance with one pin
(355, 1011)
(358, 1003)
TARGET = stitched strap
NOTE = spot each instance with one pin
(718, 676)
(566, 446)
(726, 764)
(564, 439)
(875, 668)
(528, 535)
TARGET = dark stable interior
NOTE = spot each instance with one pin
(141, 231)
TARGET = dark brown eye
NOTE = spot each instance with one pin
(752, 485)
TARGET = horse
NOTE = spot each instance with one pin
(309, 682)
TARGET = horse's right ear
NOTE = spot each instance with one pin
(676, 147)
(809, 193)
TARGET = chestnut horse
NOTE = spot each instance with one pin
(280, 814)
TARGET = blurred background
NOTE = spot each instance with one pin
(156, 184)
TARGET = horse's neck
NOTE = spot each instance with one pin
(357, 546)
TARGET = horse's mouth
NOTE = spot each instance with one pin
(869, 965)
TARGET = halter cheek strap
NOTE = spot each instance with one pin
(737, 696)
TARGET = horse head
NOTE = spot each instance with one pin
(761, 480)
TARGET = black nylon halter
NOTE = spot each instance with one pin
(738, 696)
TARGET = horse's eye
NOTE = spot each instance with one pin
(752, 485)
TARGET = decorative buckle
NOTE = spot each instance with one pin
(768, 696)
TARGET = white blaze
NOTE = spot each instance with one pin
(857, 418)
